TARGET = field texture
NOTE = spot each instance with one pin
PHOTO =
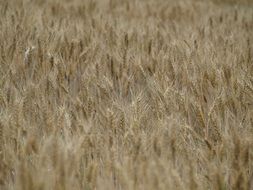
(126, 94)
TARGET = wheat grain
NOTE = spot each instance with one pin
(107, 94)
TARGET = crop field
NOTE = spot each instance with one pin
(126, 94)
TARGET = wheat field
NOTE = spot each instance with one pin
(126, 94)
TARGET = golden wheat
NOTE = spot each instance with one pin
(130, 94)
